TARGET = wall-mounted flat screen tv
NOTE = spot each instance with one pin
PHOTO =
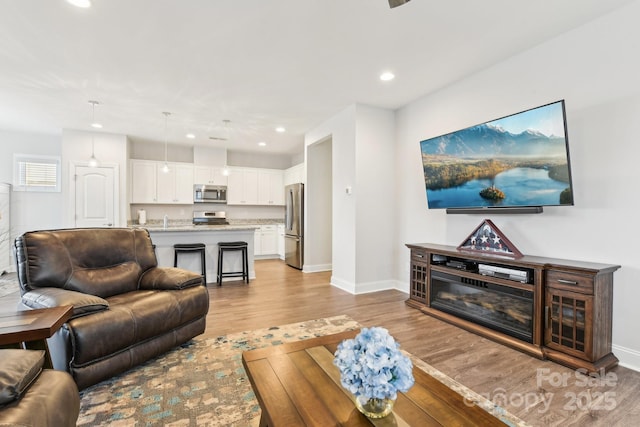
(518, 161)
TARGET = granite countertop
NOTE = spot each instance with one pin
(191, 227)
(187, 225)
(256, 221)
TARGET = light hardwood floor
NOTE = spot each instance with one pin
(540, 392)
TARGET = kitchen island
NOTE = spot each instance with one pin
(210, 235)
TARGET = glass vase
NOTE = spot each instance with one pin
(375, 408)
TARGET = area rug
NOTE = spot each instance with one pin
(203, 383)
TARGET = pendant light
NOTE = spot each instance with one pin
(165, 168)
(93, 161)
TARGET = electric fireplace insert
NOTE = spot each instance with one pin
(502, 308)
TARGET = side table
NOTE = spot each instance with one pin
(30, 329)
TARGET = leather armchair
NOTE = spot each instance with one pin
(126, 309)
(33, 397)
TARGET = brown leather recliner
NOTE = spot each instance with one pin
(33, 397)
(126, 309)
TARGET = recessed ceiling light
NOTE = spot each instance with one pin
(96, 125)
(80, 3)
(386, 76)
(262, 143)
(190, 136)
(280, 129)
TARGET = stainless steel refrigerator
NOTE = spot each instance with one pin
(294, 225)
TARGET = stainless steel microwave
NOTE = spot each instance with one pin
(203, 193)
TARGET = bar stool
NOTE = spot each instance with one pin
(190, 248)
(233, 246)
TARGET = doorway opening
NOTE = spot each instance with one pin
(319, 206)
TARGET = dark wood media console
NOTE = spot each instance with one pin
(546, 307)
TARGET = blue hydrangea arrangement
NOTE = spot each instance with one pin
(372, 366)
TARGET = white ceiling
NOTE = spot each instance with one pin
(258, 63)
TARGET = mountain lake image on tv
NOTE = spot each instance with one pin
(521, 160)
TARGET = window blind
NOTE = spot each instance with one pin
(36, 173)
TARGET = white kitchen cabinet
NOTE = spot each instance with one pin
(175, 186)
(270, 187)
(257, 242)
(280, 232)
(209, 175)
(143, 181)
(294, 174)
(184, 183)
(269, 240)
(165, 185)
(242, 186)
(265, 240)
(149, 184)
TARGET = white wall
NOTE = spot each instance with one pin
(363, 216)
(375, 198)
(30, 210)
(296, 159)
(6, 260)
(152, 150)
(256, 159)
(342, 130)
(595, 69)
(209, 156)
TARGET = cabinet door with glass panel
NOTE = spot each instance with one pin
(568, 321)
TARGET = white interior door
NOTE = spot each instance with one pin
(95, 203)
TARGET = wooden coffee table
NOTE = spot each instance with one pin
(30, 328)
(297, 384)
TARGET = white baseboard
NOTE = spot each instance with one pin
(342, 284)
(267, 256)
(316, 268)
(402, 286)
(382, 285)
(365, 288)
(629, 358)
